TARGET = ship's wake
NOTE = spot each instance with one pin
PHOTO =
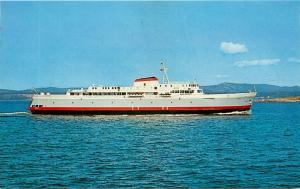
(248, 112)
(7, 114)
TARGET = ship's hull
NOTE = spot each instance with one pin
(202, 104)
(140, 110)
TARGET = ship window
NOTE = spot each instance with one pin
(155, 87)
(144, 84)
(171, 85)
(71, 93)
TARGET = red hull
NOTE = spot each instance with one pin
(136, 110)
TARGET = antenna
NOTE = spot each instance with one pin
(164, 70)
(1, 27)
(35, 91)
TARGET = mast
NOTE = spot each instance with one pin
(164, 70)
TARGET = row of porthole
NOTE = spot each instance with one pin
(93, 103)
(37, 106)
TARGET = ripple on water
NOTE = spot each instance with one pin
(258, 150)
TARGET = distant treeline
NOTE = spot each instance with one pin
(263, 90)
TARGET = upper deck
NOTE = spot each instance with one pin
(142, 87)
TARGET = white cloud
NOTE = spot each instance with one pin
(293, 59)
(233, 48)
(261, 62)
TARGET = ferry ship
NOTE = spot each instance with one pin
(146, 96)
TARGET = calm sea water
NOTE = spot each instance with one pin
(258, 150)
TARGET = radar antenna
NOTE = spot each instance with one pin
(164, 70)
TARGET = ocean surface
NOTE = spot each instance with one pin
(258, 150)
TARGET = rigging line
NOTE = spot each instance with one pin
(1, 25)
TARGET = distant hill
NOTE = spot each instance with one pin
(6, 94)
(263, 90)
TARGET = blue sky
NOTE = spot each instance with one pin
(66, 44)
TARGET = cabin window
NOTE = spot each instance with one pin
(155, 87)
(71, 93)
(144, 84)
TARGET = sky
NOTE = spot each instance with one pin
(76, 44)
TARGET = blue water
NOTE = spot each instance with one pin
(260, 150)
